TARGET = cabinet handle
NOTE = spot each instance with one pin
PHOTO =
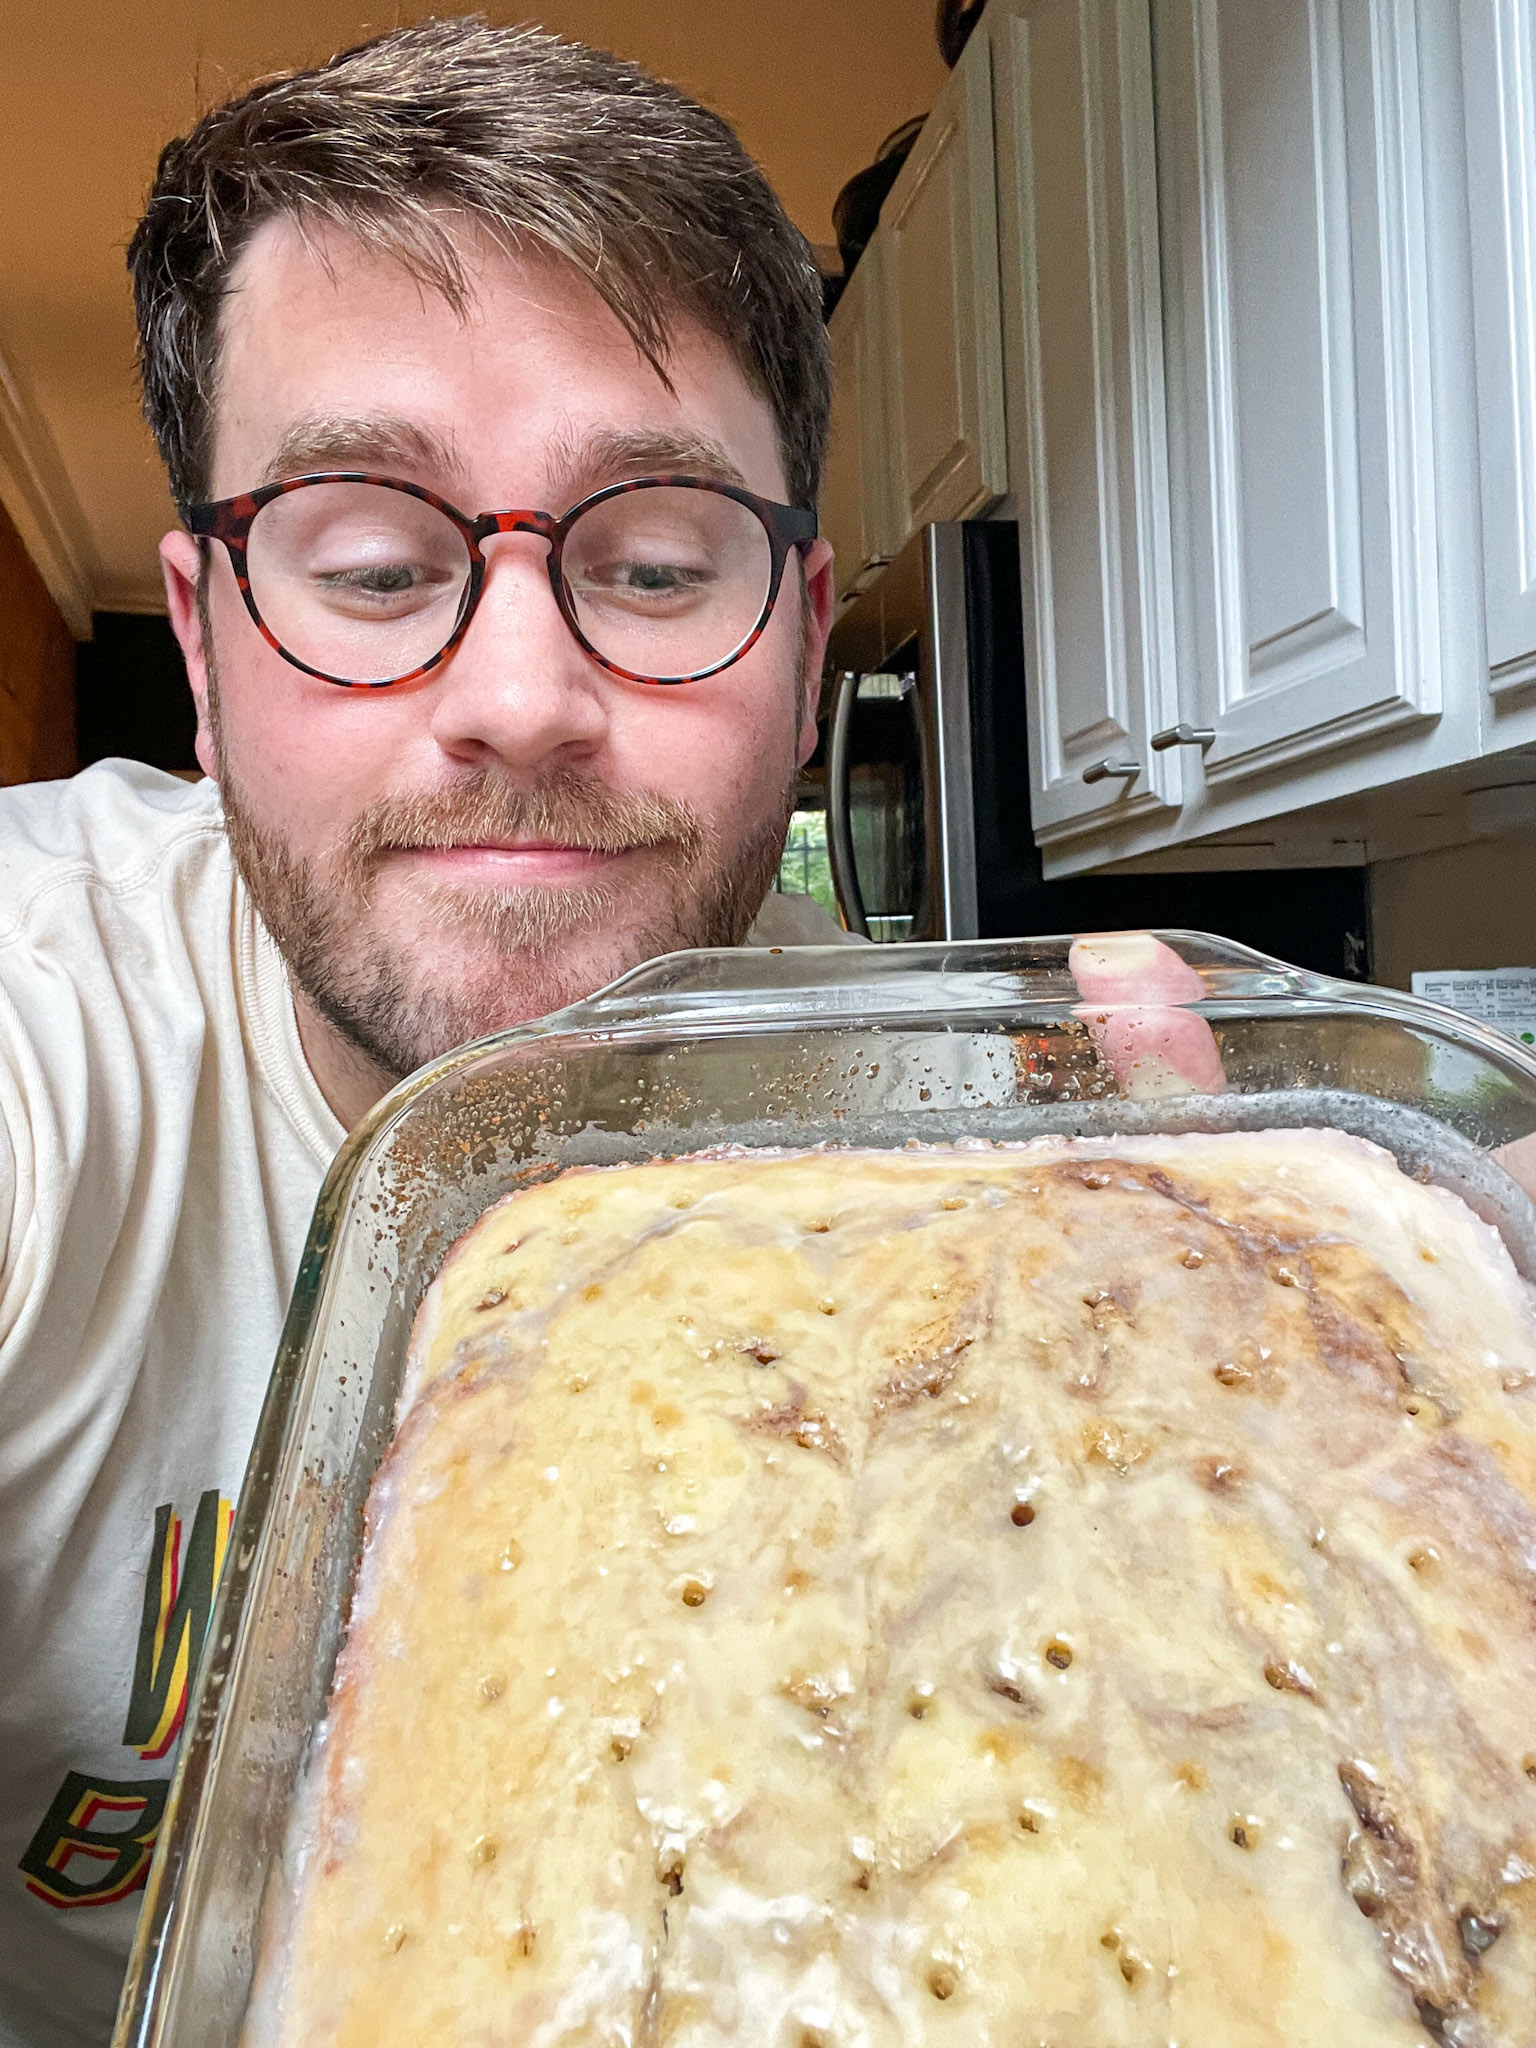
(1184, 735)
(1105, 771)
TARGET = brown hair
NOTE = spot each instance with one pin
(554, 146)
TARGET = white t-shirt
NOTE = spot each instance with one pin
(162, 1142)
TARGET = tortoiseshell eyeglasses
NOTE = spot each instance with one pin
(366, 581)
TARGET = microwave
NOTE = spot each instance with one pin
(922, 770)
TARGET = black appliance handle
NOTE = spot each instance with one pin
(928, 911)
(845, 874)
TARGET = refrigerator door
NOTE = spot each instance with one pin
(900, 824)
(876, 761)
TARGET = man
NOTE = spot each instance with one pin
(462, 769)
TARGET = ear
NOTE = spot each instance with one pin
(820, 609)
(182, 565)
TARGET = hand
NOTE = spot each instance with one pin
(1156, 1049)
(1152, 1047)
(1518, 1160)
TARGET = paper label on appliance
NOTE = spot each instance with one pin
(1503, 997)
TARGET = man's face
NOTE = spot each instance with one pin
(451, 856)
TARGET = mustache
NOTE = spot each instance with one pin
(564, 809)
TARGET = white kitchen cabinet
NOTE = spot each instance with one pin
(1499, 69)
(856, 490)
(1079, 232)
(943, 335)
(1296, 266)
(1246, 426)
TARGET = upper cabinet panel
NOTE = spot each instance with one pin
(938, 249)
(855, 489)
(1499, 60)
(1078, 212)
(1295, 269)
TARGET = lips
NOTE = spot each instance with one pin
(511, 846)
(527, 862)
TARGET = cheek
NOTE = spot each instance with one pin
(725, 754)
(305, 756)
(726, 744)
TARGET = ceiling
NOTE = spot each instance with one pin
(90, 89)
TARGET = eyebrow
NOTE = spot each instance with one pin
(583, 463)
(609, 455)
(377, 441)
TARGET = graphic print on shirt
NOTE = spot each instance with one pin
(96, 1840)
(178, 1595)
(75, 1860)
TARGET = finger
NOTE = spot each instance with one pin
(1131, 967)
(1518, 1159)
(1134, 984)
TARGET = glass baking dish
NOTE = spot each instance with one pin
(843, 1045)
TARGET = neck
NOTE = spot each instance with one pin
(347, 1078)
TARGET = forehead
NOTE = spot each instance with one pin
(506, 389)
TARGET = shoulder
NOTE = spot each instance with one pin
(112, 828)
(116, 893)
(791, 920)
(116, 897)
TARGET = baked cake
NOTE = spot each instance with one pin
(1078, 1595)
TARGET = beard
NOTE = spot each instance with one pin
(455, 963)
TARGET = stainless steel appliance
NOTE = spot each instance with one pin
(924, 774)
(900, 817)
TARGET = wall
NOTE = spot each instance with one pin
(37, 671)
(90, 90)
(1463, 906)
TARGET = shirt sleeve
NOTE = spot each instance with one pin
(7, 1196)
(18, 1178)
(787, 919)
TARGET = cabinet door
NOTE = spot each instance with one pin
(938, 236)
(1499, 58)
(1296, 254)
(855, 490)
(1078, 199)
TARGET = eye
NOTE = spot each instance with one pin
(667, 575)
(383, 579)
(646, 578)
(381, 584)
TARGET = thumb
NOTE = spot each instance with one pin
(1133, 985)
(1518, 1159)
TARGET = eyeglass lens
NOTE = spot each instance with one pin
(368, 584)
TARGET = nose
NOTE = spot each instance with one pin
(519, 689)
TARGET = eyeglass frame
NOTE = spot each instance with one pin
(229, 520)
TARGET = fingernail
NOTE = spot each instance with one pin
(1153, 1077)
(1118, 952)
